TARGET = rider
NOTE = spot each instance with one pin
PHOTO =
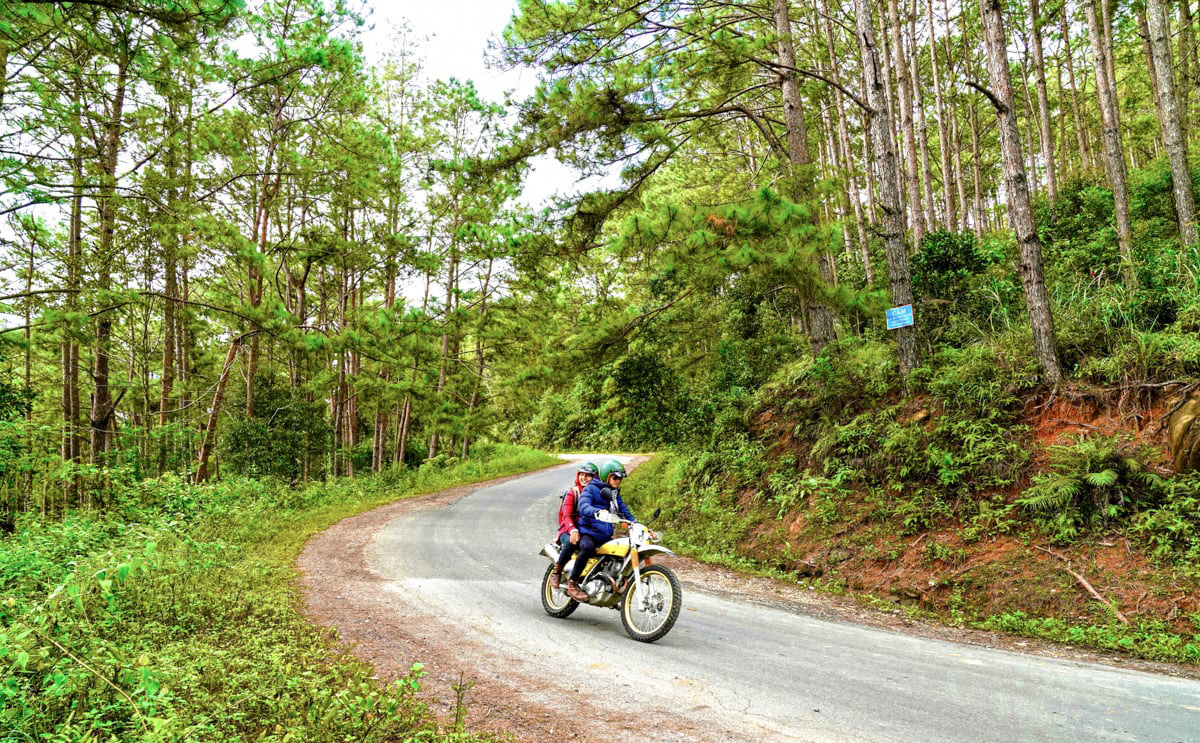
(602, 495)
(568, 532)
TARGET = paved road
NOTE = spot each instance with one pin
(744, 672)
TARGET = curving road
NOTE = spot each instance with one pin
(738, 671)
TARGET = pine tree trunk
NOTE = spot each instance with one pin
(822, 327)
(1064, 162)
(1081, 137)
(446, 346)
(870, 169)
(1189, 34)
(1114, 156)
(1151, 67)
(908, 137)
(210, 430)
(889, 89)
(1020, 209)
(922, 126)
(956, 141)
(845, 155)
(1172, 128)
(951, 213)
(1039, 70)
(170, 284)
(980, 221)
(103, 412)
(72, 413)
(1029, 124)
(1182, 87)
(884, 154)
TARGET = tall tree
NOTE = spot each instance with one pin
(1171, 121)
(908, 137)
(1114, 153)
(950, 218)
(884, 156)
(822, 318)
(1020, 209)
(1043, 99)
(1085, 158)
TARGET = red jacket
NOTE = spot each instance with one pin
(566, 512)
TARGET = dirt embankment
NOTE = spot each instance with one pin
(958, 575)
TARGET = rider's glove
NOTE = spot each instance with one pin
(603, 515)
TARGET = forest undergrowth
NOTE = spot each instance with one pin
(172, 615)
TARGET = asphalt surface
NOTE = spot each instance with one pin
(740, 671)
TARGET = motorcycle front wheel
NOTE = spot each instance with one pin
(649, 610)
(556, 602)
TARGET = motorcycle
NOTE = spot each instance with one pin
(623, 575)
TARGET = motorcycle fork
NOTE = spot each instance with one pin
(633, 561)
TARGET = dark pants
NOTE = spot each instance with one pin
(587, 550)
(566, 549)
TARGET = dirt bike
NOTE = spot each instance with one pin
(623, 576)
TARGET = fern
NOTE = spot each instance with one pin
(1051, 493)
(1104, 479)
(1090, 483)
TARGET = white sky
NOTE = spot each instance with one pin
(452, 40)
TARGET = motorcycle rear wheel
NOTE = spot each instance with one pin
(556, 602)
(650, 612)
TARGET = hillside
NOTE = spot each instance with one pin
(1062, 518)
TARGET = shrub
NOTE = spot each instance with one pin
(286, 432)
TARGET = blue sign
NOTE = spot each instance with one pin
(899, 317)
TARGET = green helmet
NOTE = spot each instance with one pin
(588, 468)
(612, 467)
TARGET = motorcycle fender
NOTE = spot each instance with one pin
(550, 550)
(653, 550)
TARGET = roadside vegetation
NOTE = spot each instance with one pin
(255, 277)
(172, 615)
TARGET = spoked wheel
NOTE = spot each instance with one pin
(556, 602)
(649, 610)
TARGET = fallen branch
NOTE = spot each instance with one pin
(1087, 586)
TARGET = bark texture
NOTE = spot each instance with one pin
(884, 155)
(1020, 209)
(1170, 121)
(1114, 156)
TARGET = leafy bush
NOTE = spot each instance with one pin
(286, 433)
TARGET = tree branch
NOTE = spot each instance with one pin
(990, 96)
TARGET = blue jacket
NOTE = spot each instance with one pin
(599, 497)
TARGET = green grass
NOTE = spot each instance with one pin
(1153, 640)
(174, 616)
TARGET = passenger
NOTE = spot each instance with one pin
(568, 532)
(601, 497)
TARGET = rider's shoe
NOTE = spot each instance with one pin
(556, 578)
(575, 592)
